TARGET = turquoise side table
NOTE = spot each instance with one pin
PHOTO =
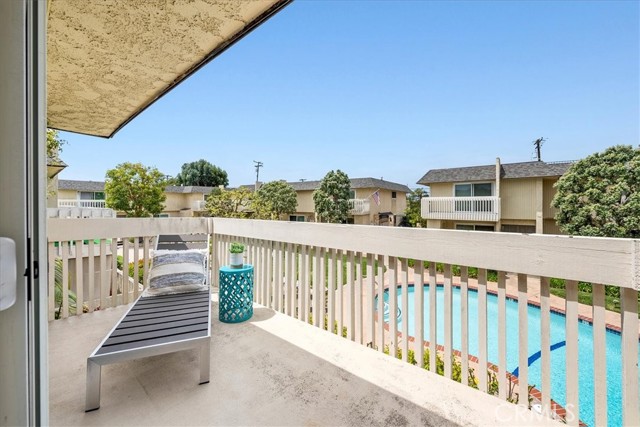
(236, 294)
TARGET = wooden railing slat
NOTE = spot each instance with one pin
(523, 341)
(433, 317)
(482, 329)
(464, 324)
(418, 295)
(599, 357)
(571, 328)
(629, 309)
(502, 336)
(448, 321)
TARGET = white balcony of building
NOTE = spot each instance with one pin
(359, 206)
(78, 203)
(461, 208)
(319, 354)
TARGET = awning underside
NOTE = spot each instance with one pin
(109, 60)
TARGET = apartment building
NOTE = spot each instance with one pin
(510, 197)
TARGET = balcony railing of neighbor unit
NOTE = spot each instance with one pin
(76, 203)
(335, 277)
(461, 208)
(359, 206)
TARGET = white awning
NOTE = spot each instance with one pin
(108, 60)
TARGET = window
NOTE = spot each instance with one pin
(91, 195)
(481, 189)
(475, 227)
(512, 228)
(161, 215)
(296, 218)
(393, 194)
(352, 194)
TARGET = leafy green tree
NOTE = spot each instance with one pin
(202, 173)
(274, 199)
(413, 215)
(135, 189)
(234, 203)
(54, 144)
(600, 195)
(331, 200)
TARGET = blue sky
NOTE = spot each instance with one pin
(393, 89)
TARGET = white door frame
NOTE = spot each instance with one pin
(23, 327)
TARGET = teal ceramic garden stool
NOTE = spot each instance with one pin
(236, 294)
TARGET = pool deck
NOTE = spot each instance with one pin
(612, 318)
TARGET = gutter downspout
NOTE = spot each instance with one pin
(498, 169)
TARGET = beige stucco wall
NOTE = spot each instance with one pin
(548, 193)
(387, 204)
(550, 227)
(67, 194)
(518, 199)
(441, 190)
(174, 202)
(305, 202)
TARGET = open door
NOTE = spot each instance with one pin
(23, 325)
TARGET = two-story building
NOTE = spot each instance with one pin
(181, 200)
(372, 201)
(511, 197)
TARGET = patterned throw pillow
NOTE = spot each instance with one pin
(175, 272)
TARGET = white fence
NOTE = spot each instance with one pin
(461, 208)
(354, 265)
(77, 203)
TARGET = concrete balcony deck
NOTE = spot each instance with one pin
(271, 370)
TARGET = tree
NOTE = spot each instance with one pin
(332, 198)
(54, 144)
(600, 195)
(135, 189)
(202, 173)
(234, 203)
(413, 213)
(274, 199)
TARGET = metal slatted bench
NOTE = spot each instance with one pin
(152, 326)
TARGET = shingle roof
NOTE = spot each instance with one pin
(355, 184)
(188, 189)
(488, 172)
(67, 184)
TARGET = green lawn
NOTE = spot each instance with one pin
(611, 303)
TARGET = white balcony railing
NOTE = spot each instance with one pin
(359, 206)
(77, 203)
(357, 264)
(461, 208)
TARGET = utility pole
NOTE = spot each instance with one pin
(538, 145)
(258, 166)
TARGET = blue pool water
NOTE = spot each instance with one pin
(585, 347)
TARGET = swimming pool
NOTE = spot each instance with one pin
(557, 322)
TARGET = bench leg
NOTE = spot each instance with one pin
(205, 361)
(93, 386)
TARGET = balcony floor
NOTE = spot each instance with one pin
(271, 370)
